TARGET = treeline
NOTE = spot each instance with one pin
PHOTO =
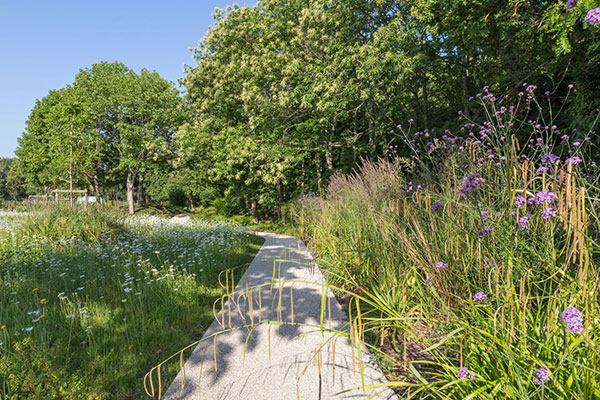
(286, 93)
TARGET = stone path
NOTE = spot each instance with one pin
(277, 364)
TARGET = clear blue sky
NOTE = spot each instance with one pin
(44, 43)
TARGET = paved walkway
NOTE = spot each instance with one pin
(278, 363)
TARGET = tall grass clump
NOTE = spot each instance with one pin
(475, 260)
(91, 224)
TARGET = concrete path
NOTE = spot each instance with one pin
(278, 364)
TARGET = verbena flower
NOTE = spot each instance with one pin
(436, 206)
(524, 222)
(543, 197)
(570, 4)
(542, 375)
(441, 265)
(519, 201)
(541, 170)
(574, 160)
(550, 158)
(479, 296)
(471, 182)
(462, 373)
(485, 230)
(593, 16)
(548, 212)
(428, 281)
(573, 319)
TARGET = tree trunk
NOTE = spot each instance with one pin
(191, 200)
(130, 183)
(372, 134)
(253, 208)
(140, 190)
(96, 187)
(320, 173)
(465, 89)
(329, 157)
(279, 199)
(426, 105)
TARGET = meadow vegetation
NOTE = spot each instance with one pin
(90, 301)
(472, 266)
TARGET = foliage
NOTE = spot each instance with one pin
(284, 94)
(471, 253)
(4, 170)
(111, 123)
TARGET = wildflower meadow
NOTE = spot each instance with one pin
(85, 316)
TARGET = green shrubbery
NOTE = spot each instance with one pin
(465, 259)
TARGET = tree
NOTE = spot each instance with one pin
(110, 125)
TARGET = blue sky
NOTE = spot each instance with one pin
(44, 43)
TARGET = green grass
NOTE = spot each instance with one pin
(85, 316)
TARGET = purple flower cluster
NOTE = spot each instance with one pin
(593, 16)
(548, 212)
(541, 170)
(570, 4)
(573, 160)
(479, 296)
(550, 158)
(519, 201)
(436, 206)
(428, 281)
(542, 375)
(573, 318)
(471, 182)
(463, 373)
(441, 265)
(486, 229)
(543, 197)
(524, 222)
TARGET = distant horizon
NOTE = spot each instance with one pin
(50, 43)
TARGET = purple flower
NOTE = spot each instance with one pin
(550, 158)
(543, 197)
(436, 206)
(541, 170)
(573, 318)
(441, 265)
(519, 201)
(542, 375)
(570, 4)
(485, 230)
(428, 281)
(548, 212)
(523, 222)
(472, 181)
(593, 16)
(574, 160)
(462, 373)
(479, 296)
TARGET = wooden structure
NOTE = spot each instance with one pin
(57, 195)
